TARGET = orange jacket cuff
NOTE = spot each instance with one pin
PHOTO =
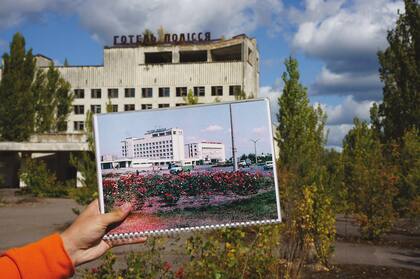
(45, 258)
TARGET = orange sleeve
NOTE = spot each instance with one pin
(45, 258)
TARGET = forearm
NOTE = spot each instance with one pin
(45, 258)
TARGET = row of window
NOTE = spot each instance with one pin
(80, 109)
(198, 91)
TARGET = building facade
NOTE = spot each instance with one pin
(160, 76)
(160, 146)
(205, 151)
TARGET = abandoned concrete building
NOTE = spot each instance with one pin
(137, 77)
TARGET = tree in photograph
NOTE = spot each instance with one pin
(66, 63)
(400, 73)
(190, 99)
(370, 180)
(16, 106)
(301, 140)
(52, 100)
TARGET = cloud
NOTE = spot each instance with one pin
(272, 93)
(259, 130)
(212, 128)
(345, 112)
(362, 86)
(13, 12)
(346, 36)
(336, 133)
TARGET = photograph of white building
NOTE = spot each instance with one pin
(159, 146)
(206, 151)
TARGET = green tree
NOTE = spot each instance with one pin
(370, 180)
(86, 164)
(190, 99)
(52, 100)
(301, 138)
(16, 106)
(66, 62)
(400, 73)
(409, 182)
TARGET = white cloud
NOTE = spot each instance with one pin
(272, 93)
(345, 112)
(14, 12)
(213, 128)
(336, 133)
(105, 18)
(362, 86)
(346, 35)
(259, 130)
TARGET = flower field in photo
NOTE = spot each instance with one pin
(188, 199)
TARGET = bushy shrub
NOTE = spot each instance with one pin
(40, 182)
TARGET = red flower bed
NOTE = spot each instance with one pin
(169, 188)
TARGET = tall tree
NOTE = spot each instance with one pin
(16, 106)
(310, 219)
(52, 101)
(400, 73)
(370, 180)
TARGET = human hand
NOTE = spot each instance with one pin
(83, 239)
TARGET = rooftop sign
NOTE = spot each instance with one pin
(167, 38)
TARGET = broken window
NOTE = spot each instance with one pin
(231, 53)
(193, 56)
(158, 57)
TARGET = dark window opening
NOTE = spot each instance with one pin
(234, 90)
(217, 90)
(193, 56)
(112, 92)
(181, 91)
(95, 93)
(79, 93)
(95, 108)
(147, 92)
(231, 53)
(129, 107)
(164, 92)
(163, 105)
(199, 91)
(158, 57)
(129, 92)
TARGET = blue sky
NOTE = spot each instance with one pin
(204, 123)
(334, 41)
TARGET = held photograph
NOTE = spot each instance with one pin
(187, 167)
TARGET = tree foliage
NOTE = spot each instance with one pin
(370, 180)
(400, 73)
(310, 218)
(52, 99)
(190, 99)
(16, 106)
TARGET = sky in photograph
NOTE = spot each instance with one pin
(335, 41)
(203, 123)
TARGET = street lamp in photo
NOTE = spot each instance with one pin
(255, 149)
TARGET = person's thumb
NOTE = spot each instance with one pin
(117, 215)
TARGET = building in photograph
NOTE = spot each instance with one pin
(205, 152)
(160, 146)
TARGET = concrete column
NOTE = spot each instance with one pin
(209, 56)
(79, 179)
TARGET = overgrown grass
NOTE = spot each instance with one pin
(257, 207)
